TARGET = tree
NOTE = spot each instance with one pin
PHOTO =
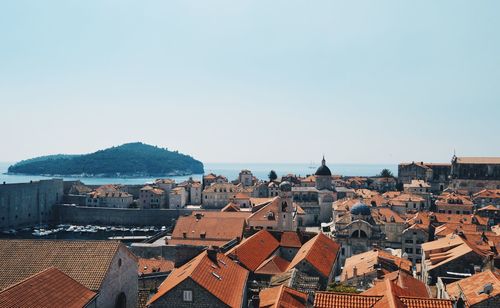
(338, 287)
(272, 175)
(386, 173)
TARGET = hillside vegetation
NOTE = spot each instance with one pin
(131, 159)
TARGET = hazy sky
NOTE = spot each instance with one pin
(252, 81)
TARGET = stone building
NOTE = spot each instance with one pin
(152, 198)
(436, 174)
(317, 201)
(195, 193)
(452, 203)
(363, 269)
(218, 195)
(113, 196)
(477, 291)
(107, 268)
(177, 198)
(167, 185)
(318, 257)
(27, 204)
(458, 253)
(245, 178)
(359, 227)
(211, 178)
(279, 214)
(487, 197)
(474, 174)
(209, 280)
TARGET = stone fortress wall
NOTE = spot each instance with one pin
(28, 204)
(83, 215)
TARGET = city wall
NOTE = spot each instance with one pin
(28, 204)
(113, 216)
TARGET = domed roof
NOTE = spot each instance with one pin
(285, 186)
(360, 209)
(323, 169)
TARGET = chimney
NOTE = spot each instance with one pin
(354, 271)
(212, 255)
(198, 216)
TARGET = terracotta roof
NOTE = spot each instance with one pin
(231, 207)
(222, 278)
(412, 302)
(471, 287)
(387, 215)
(454, 246)
(488, 193)
(50, 288)
(290, 239)
(489, 208)
(85, 261)
(405, 283)
(222, 215)
(453, 199)
(149, 266)
(252, 251)
(189, 230)
(282, 297)
(391, 297)
(417, 184)
(273, 266)
(478, 160)
(365, 263)
(344, 300)
(406, 197)
(320, 251)
(109, 191)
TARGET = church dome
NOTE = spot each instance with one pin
(360, 209)
(285, 186)
(323, 169)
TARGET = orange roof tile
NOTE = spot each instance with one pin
(406, 285)
(50, 288)
(344, 300)
(290, 239)
(222, 278)
(194, 229)
(320, 251)
(478, 160)
(148, 266)
(472, 286)
(252, 251)
(365, 263)
(273, 266)
(86, 261)
(282, 297)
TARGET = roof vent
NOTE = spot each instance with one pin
(487, 289)
(217, 276)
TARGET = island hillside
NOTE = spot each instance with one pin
(127, 160)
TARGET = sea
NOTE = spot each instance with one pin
(229, 170)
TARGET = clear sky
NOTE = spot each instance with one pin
(252, 81)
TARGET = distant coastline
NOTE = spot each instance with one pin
(229, 170)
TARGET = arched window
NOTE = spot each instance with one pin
(121, 301)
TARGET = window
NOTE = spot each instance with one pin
(418, 251)
(409, 241)
(187, 295)
(409, 250)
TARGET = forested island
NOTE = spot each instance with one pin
(128, 160)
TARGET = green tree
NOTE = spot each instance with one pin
(386, 173)
(338, 287)
(272, 175)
